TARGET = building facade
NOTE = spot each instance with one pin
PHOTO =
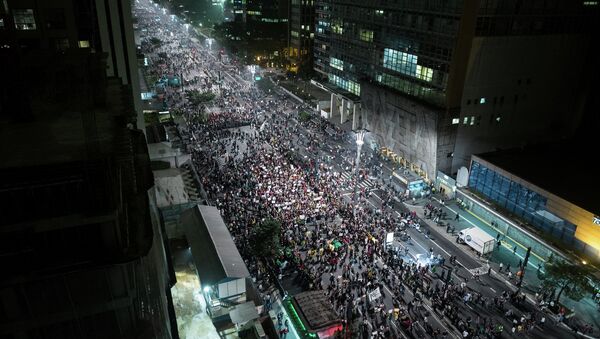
(258, 29)
(301, 35)
(82, 249)
(550, 212)
(439, 81)
(95, 25)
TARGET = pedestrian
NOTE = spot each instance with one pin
(515, 250)
(501, 266)
(457, 217)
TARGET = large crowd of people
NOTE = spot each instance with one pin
(257, 162)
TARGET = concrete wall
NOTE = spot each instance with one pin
(535, 85)
(400, 123)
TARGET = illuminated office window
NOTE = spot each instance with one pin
(366, 35)
(348, 85)
(337, 27)
(424, 73)
(336, 63)
(24, 19)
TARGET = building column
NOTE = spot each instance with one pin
(333, 107)
(355, 117)
(344, 115)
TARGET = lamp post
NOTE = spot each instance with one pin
(252, 71)
(360, 140)
(522, 268)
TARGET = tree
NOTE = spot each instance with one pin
(264, 238)
(197, 98)
(155, 41)
(565, 277)
(303, 116)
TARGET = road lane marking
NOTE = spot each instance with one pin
(494, 228)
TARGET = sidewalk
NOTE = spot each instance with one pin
(278, 307)
(504, 254)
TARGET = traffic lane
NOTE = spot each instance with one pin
(438, 243)
(423, 250)
(418, 235)
(488, 288)
(507, 243)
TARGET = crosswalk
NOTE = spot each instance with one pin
(348, 179)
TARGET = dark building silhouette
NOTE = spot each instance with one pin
(437, 81)
(81, 250)
(301, 35)
(258, 28)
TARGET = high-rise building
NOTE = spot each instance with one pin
(81, 248)
(301, 35)
(257, 28)
(438, 81)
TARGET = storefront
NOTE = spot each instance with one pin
(445, 185)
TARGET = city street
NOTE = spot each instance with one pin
(256, 160)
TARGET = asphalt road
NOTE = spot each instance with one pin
(488, 286)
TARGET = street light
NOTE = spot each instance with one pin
(252, 71)
(360, 141)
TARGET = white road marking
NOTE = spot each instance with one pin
(440, 247)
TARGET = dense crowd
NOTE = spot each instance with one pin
(269, 167)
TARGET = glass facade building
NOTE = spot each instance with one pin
(524, 202)
(406, 46)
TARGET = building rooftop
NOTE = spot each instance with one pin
(160, 150)
(170, 187)
(215, 254)
(566, 169)
(316, 309)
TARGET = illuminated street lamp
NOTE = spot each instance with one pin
(360, 141)
(252, 71)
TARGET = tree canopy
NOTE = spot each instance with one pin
(563, 276)
(155, 41)
(303, 116)
(197, 98)
(264, 238)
